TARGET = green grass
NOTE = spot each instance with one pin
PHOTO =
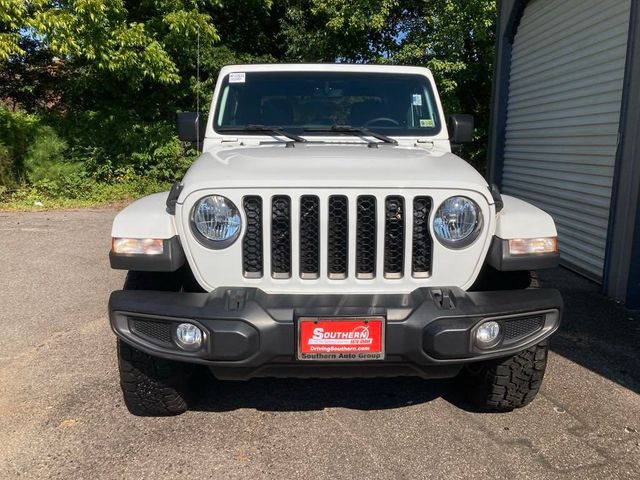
(86, 195)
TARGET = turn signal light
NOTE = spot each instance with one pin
(140, 246)
(528, 246)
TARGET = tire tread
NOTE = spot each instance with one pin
(152, 386)
(506, 384)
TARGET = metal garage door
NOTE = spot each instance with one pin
(565, 92)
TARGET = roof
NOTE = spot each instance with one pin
(324, 67)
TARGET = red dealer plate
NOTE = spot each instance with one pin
(341, 339)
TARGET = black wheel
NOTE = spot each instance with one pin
(152, 386)
(508, 383)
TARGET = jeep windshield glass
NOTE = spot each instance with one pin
(389, 104)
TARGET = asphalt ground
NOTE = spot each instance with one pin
(62, 416)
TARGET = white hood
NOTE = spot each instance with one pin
(324, 170)
(331, 166)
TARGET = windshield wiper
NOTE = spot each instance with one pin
(266, 129)
(346, 129)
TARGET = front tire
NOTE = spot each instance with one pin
(152, 386)
(505, 384)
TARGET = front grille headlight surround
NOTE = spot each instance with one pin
(457, 222)
(215, 221)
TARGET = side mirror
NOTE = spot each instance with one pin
(189, 126)
(460, 128)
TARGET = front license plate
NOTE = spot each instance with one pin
(341, 339)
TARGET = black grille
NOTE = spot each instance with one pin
(252, 259)
(366, 237)
(521, 327)
(369, 213)
(281, 237)
(338, 241)
(160, 331)
(309, 236)
(421, 251)
(394, 237)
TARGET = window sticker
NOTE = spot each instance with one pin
(426, 122)
(237, 77)
(416, 100)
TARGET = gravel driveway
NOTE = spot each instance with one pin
(61, 414)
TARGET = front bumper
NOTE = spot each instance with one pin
(249, 333)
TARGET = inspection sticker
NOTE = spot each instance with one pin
(341, 339)
(238, 77)
(426, 122)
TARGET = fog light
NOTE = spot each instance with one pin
(487, 334)
(188, 336)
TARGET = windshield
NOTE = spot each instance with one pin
(388, 103)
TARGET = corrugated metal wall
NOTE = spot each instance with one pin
(565, 92)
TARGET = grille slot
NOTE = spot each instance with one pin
(421, 242)
(309, 237)
(394, 237)
(153, 330)
(521, 327)
(281, 237)
(338, 236)
(252, 256)
(366, 237)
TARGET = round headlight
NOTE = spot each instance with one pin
(216, 221)
(457, 222)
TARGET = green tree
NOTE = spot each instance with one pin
(454, 38)
(109, 75)
(128, 39)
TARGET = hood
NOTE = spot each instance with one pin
(331, 166)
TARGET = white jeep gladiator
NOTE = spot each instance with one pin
(327, 230)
